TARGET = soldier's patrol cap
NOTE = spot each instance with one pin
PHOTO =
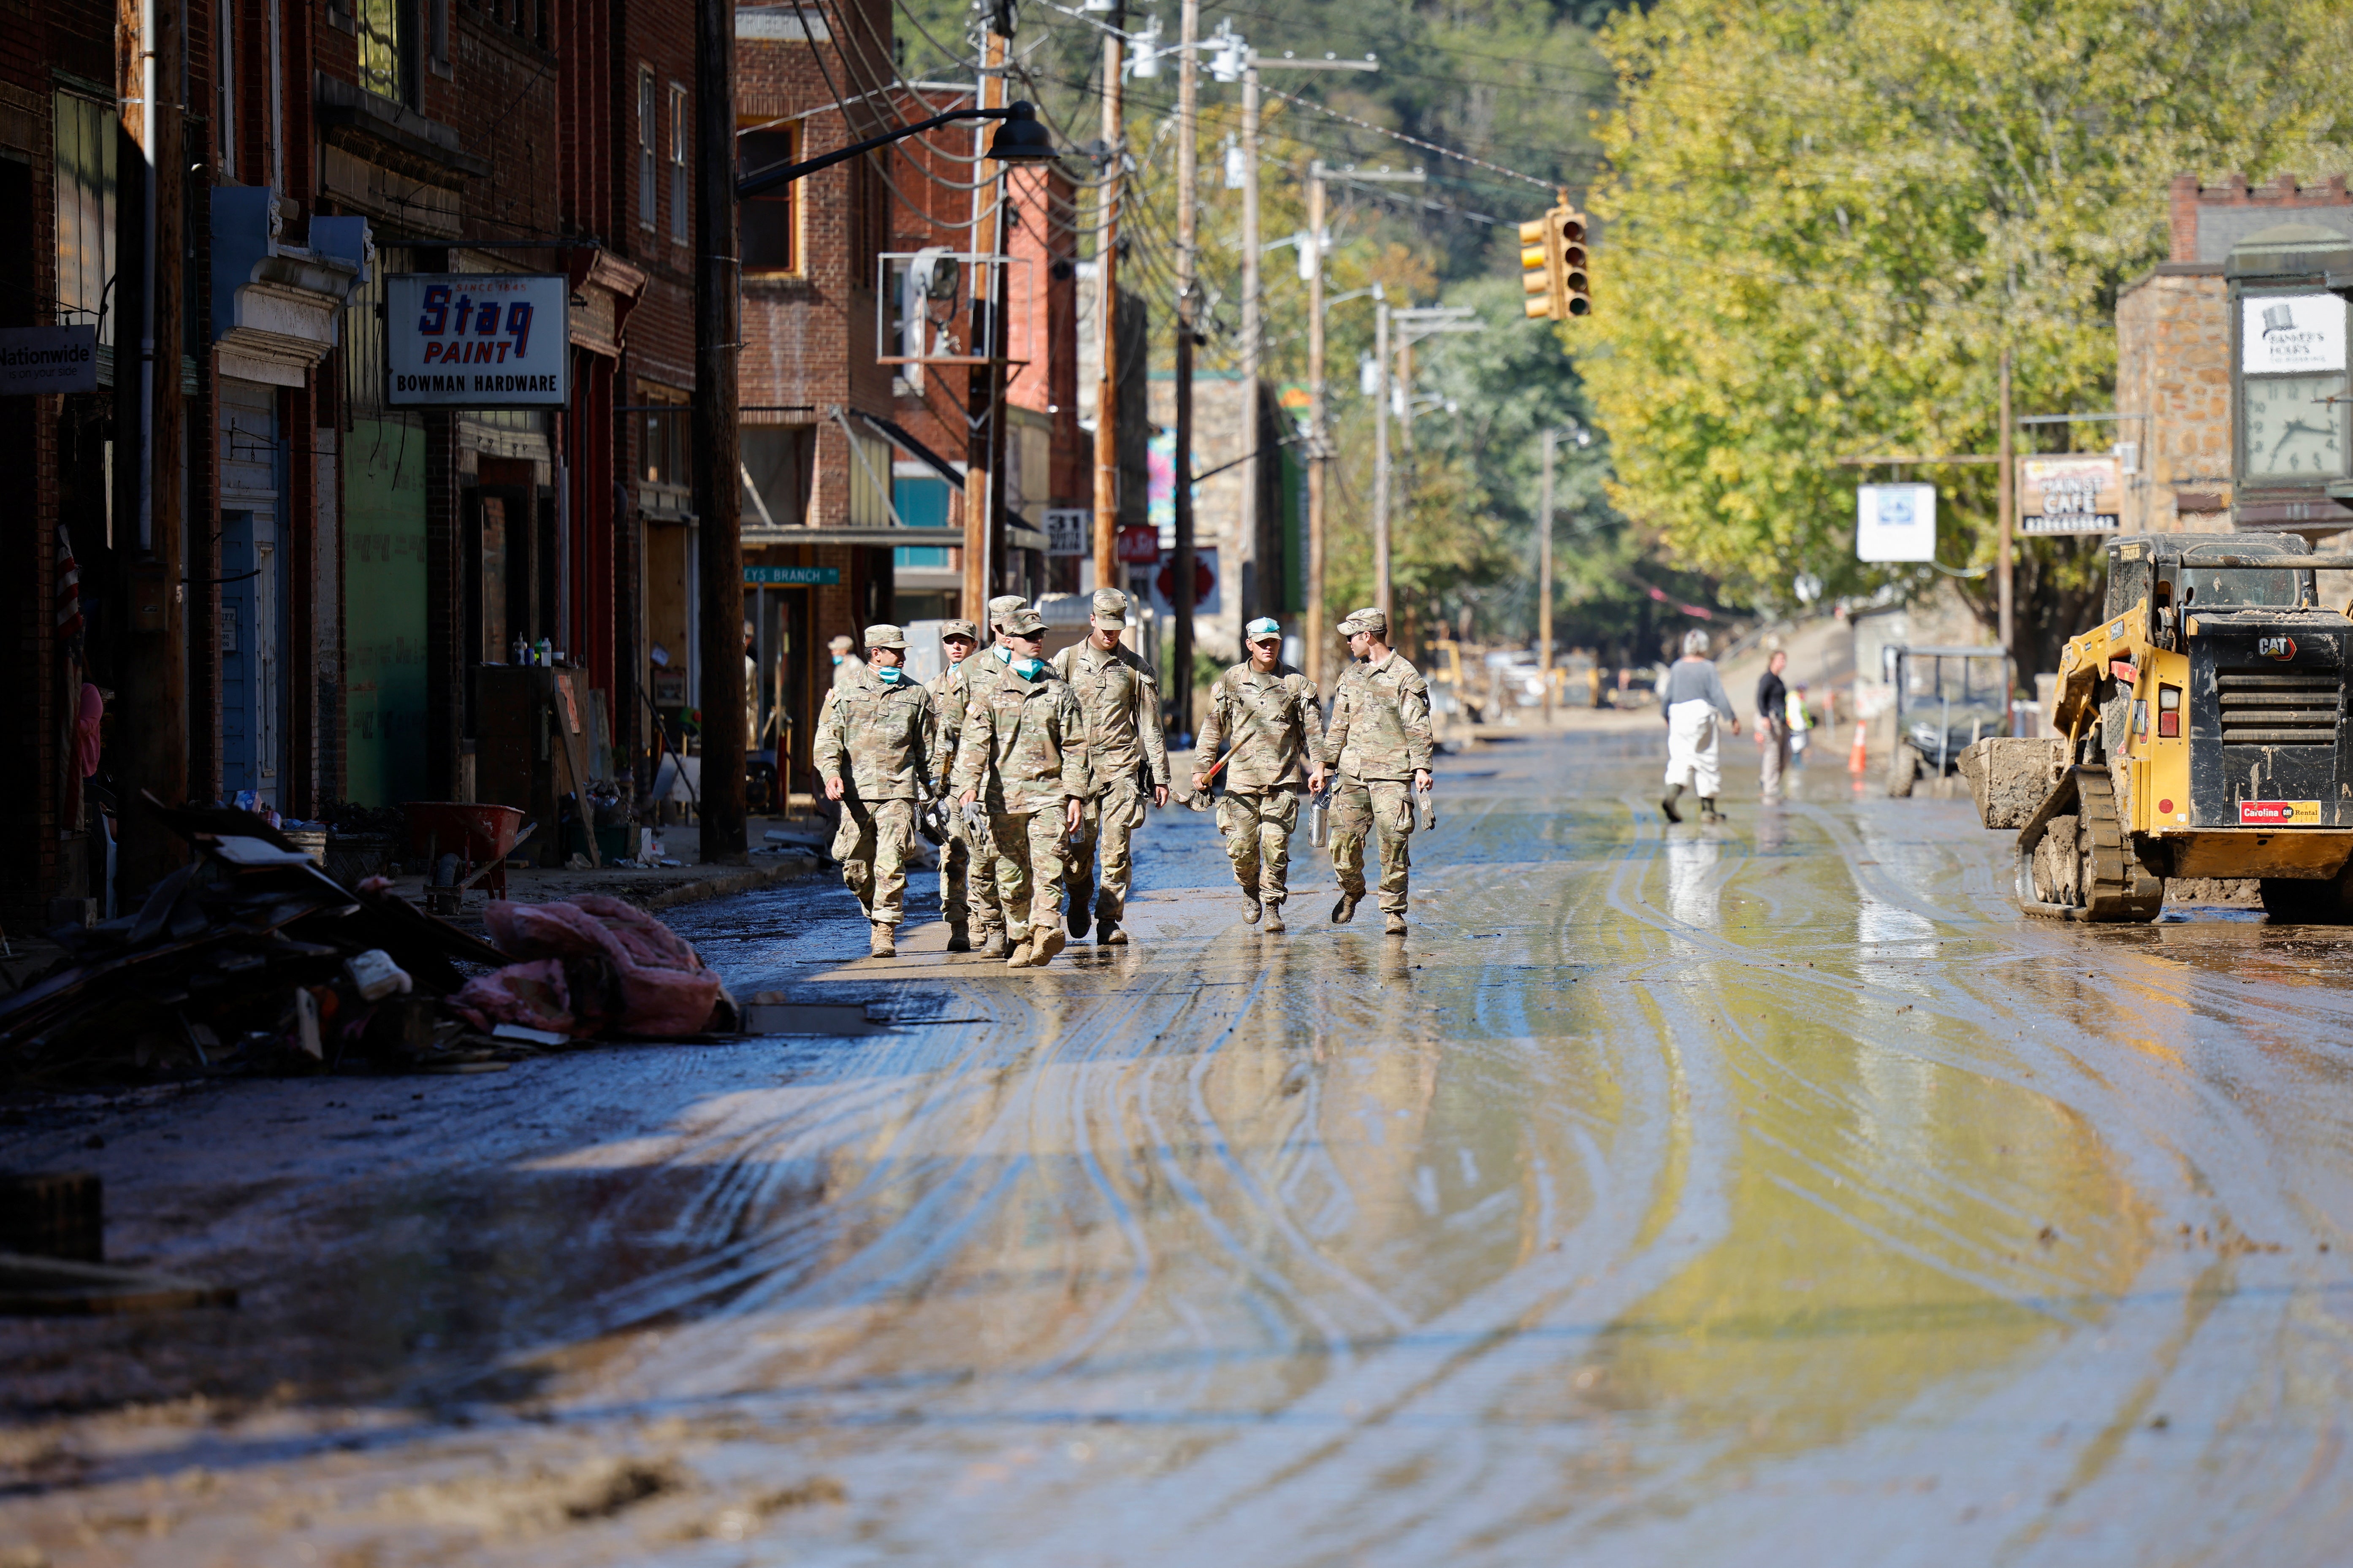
(1367, 619)
(963, 629)
(1003, 605)
(1109, 607)
(1023, 621)
(886, 636)
(1266, 628)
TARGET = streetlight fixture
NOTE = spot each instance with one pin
(1022, 139)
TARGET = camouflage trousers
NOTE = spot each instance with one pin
(1257, 825)
(1106, 823)
(1358, 806)
(967, 880)
(872, 844)
(1030, 849)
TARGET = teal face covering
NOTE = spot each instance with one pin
(1027, 668)
(892, 674)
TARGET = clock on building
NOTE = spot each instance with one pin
(2295, 427)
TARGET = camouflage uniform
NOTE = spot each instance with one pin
(877, 739)
(1274, 725)
(1024, 752)
(956, 691)
(958, 868)
(1380, 738)
(1127, 758)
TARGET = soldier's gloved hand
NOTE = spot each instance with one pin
(833, 789)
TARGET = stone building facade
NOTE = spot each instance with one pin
(2173, 347)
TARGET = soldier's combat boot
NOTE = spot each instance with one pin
(995, 947)
(1108, 934)
(1708, 812)
(1082, 901)
(1667, 803)
(1044, 943)
(885, 943)
(1024, 953)
(1393, 925)
(1249, 905)
(1345, 910)
(1275, 916)
(959, 938)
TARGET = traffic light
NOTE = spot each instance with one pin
(1553, 268)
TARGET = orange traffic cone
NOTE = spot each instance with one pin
(1858, 762)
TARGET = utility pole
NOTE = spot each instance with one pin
(1189, 94)
(1544, 576)
(717, 466)
(2007, 513)
(1108, 573)
(1319, 441)
(984, 499)
(154, 674)
(1248, 523)
(1381, 461)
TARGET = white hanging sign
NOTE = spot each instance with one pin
(478, 340)
(2283, 333)
(1895, 523)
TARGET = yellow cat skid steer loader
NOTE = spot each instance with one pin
(2199, 731)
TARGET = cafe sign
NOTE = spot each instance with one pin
(2075, 494)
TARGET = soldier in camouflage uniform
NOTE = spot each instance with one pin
(957, 863)
(874, 745)
(1126, 755)
(1023, 756)
(956, 691)
(1272, 722)
(1379, 742)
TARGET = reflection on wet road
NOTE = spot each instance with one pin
(1759, 1193)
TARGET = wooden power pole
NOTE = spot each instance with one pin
(1543, 574)
(2007, 513)
(1108, 572)
(984, 481)
(717, 465)
(1319, 446)
(1189, 311)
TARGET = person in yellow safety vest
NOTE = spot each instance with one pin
(1799, 723)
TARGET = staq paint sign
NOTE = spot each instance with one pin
(477, 340)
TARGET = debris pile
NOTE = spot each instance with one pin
(251, 958)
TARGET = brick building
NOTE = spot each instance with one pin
(2173, 347)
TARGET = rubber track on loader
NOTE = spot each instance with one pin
(2118, 888)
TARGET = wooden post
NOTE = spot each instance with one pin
(985, 386)
(1381, 463)
(1543, 575)
(717, 465)
(2007, 514)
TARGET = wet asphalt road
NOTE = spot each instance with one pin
(1756, 1195)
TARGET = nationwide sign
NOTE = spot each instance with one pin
(2070, 494)
(47, 359)
(2283, 332)
(478, 340)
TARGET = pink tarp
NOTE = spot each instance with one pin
(587, 967)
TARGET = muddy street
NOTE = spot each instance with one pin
(1728, 1194)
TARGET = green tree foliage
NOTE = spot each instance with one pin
(1826, 219)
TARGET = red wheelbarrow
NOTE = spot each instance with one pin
(478, 835)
